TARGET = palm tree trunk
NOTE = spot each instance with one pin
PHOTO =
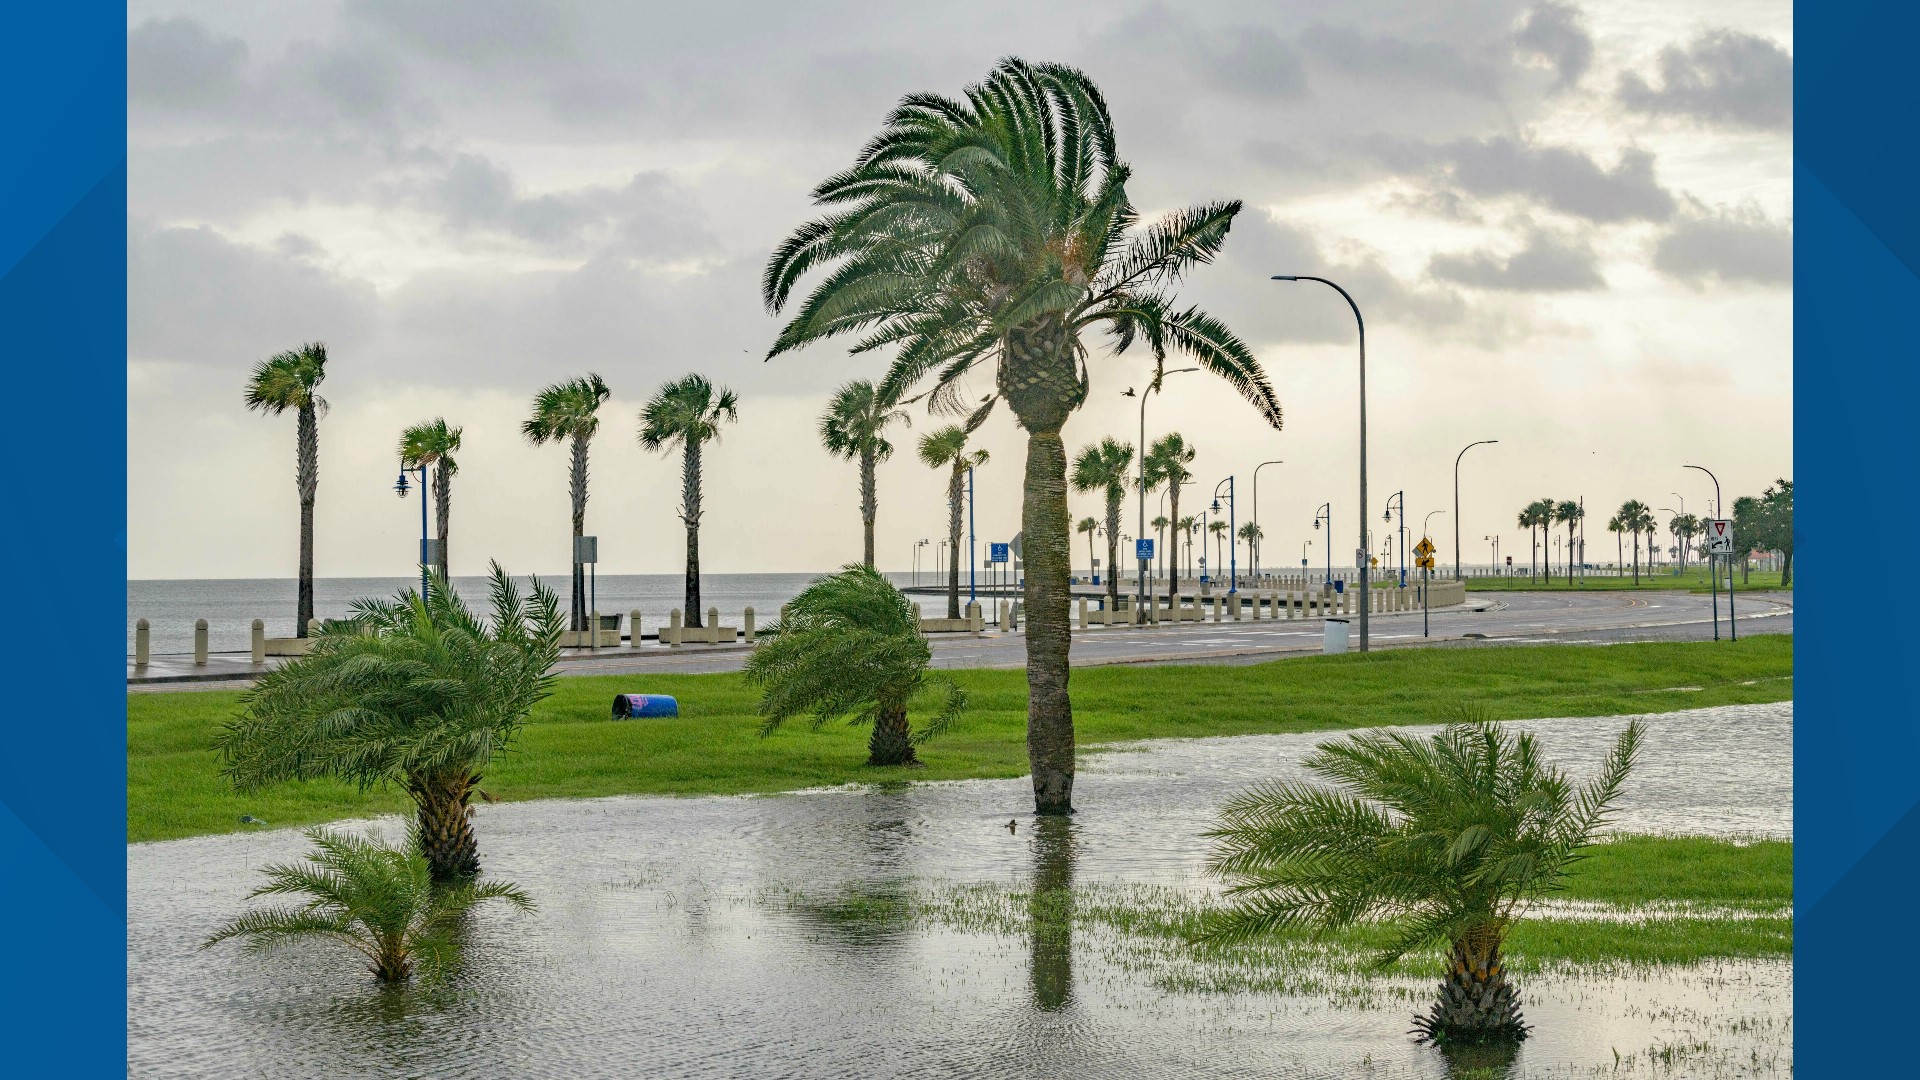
(446, 824)
(443, 511)
(1569, 551)
(1113, 547)
(869, 502)
(1636, 558)
(891, 742)
(956, 504)
(1040, 378)
(307, 477)
(690, 513)
(1173, 560)
(577, 487)
(1477, 1003)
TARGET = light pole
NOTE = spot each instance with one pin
(972, 543)
(1360, 556)
(1325, 513)
(1256, 512)
(1713, 567)
(1496, 552)
(1233, 547)
(1424, 534)
(1456, 500)
(1153, 387)
(1400, 497)
(917, 545)
(400, 486)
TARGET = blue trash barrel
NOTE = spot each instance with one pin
(630, 706)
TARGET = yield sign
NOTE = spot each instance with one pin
(1719, 536)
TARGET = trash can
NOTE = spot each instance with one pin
(1340, 585)
(630, 706)
(1334, 639)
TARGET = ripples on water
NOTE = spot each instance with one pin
(653, 955)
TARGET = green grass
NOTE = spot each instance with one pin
(1694, 580)
(570, 749)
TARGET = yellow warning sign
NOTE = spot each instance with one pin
(1424, 548)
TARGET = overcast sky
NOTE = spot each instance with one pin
(1569, 227)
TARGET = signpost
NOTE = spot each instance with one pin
(997, 553)
(1143, 549)
(1423, 558)
(1720, 542)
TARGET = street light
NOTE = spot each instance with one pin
(1361, 556)
(917, 545)
(1496, 552)
(1153, 387)
(1401, 497)
(1325, 513)
(1456, 500)
(400, 487)
(1256, 512)
(1424, 534)
(1233, 547)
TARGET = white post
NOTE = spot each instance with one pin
(259, 642)
(313, 627)
(672, 631)
(1002, 621)
(142, 642)
(1083, 613)
(976, 619)
(593, 629)
(633, 627)
(713, 626)
(200, 643)
(1233, 607)
(746, 622)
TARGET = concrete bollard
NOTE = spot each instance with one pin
(633, 627)
(1083, 613)
(313, 627)
(671, 632)
(1001, 619)
(1233, 607)
(976, 619)
(1015, 617)
(713, 625)
(200, 643)
(593, 629)
(259, 636)
(1288, 600)
(746, 622)
(142, 643)
(1216, 607)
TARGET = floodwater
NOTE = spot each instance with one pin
(657, 951)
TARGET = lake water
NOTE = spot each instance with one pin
(656, 951)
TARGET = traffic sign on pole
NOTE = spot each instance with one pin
(1719, 536)
(997, 553)
(1143, 549)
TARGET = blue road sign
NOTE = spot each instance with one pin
(997, 553)
(1143, 549)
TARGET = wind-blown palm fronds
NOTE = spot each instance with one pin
(1167, 461)
(1104, 467)
(688, 413)
(432, 444)
(570, 410)
(947, 449)
(291, 380)
(854, 427)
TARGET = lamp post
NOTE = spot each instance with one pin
(972, 542)
(1713, 567)
(1496, 552)
(1424, 534)
(1153, 387)
(1233, 547)
(917, 545)
(1361, 556)
(1325, 513)
(400, 487)
(1401, 498)
(1256, 512)
(1456, 500)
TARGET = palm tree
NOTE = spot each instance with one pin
(1617, 525)
(432, 444)
(998, 225)
(1189, 525)
(1537, 515)
(1103, 466)
(849, 645)
(1166, 463)
(688, 412)
(290, 380)
(379, 901)
(416, 691)
(947, 449)
(1526, 521)
(1638, 520)
(1159, 525)
(569, 411)
(1448, 837)
(1089, 526)
(852, 428)
(1568, 512)
(1684, 528)
(1252, 534)
(1219, 530)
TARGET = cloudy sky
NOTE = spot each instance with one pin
(1569, 227)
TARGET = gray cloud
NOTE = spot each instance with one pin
(1393, 60)
(649, 217)
(178, 63)
(1556, 177)
(1547, 263)
(1557, 34)
(1251, 62)
(1724, 77)
(1736, 246)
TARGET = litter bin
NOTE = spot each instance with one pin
(635, 706)
(1340, 585)
(1334, 639)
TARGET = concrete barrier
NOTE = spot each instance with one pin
(633, 627)
(670, 633)
(976, 618)
(200, 643)
(258, 638)
(142, 643)
(1083, 613)
(746, 622)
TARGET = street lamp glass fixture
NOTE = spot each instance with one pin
(400, 486)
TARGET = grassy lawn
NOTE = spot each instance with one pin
(571, 749)
(1694, 580)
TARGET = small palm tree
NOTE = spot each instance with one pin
(1448, 837)
(291, 380)
(1638, 520)
(1219, 531)
(1617, 526)
(1087, 527)
(432, 445)
(1251, 534)
(1568, 512)
(947, 449)
(379, 901)
(1167, 461)
(1684, 528)
(1189, 525)
(1103, 467)
(569, 410)
(416, 691)
(1159, 524)
(848, 645)
(853, 428)
(689, 413)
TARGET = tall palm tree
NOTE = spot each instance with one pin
(291, 380)
(1568, 512)
(998, 225)
(947, 449)
(688, 413)
(1448, 837)
(418, 692)
(1104, 467)
(569, 410)
(1638, 520)
(1166, 464)
(1684, 528)
(1252, 535)
(1189, 525)
(848, 646)
(432, 444)
(379, 901)
(1537, 515)
(853, 428)
(1618, 525)
(1219, 531)
(1088, 526)
(1160, 530)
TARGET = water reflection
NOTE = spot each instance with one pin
(1050, 914)
(1488, 1061)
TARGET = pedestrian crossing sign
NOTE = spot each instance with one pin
(1424, 548)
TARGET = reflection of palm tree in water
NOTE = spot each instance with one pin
(1050, 913)
(1481, 1061)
